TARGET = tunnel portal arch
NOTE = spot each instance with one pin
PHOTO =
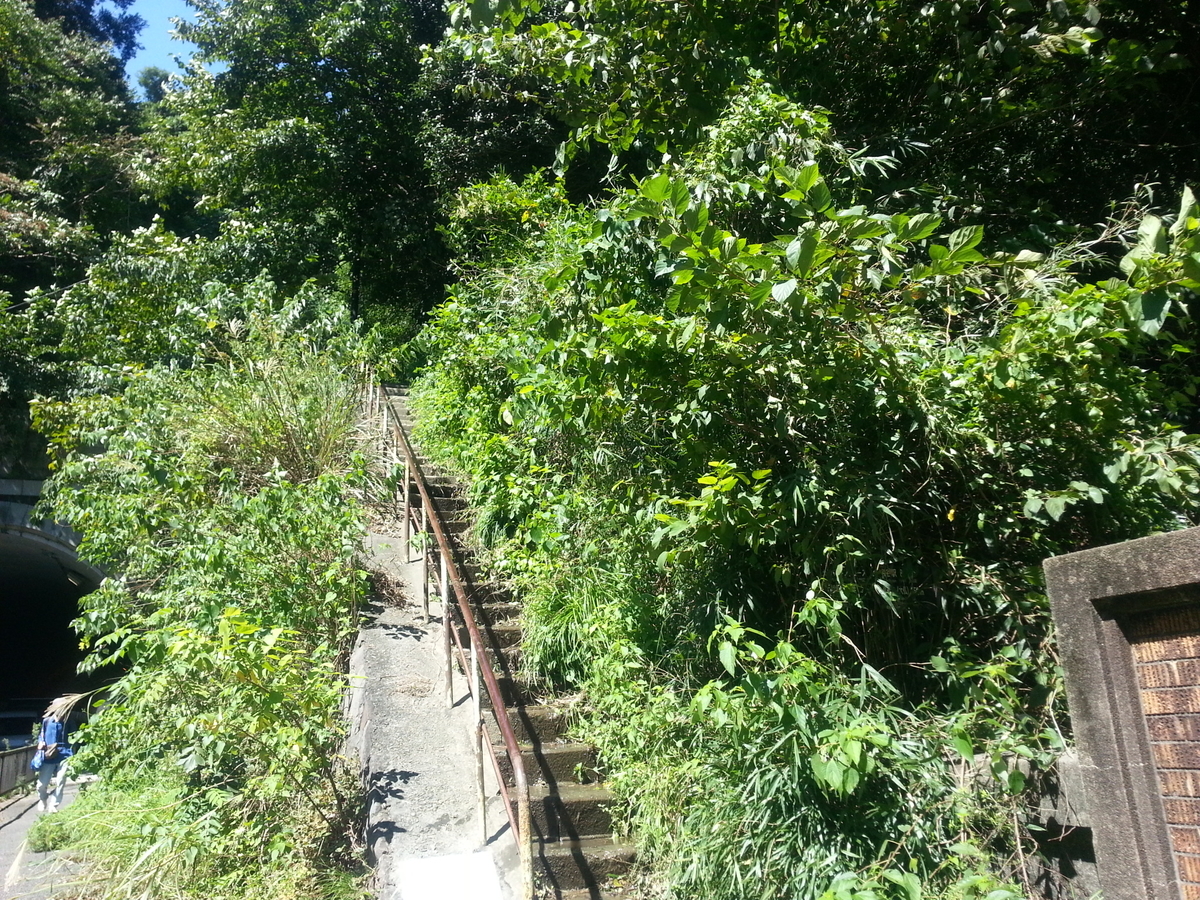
(41, 581)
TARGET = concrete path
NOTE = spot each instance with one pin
(25, 875)
(425, 832)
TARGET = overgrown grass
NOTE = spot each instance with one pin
(281, 410)
(156, 833)
(219, 497)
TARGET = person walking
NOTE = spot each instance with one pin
(54, 750)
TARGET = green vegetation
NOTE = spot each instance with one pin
(217, 494)
(776, 344)
(773, 438)
(65, 156)
(777, 508)
(1029, 117)
(203, 427)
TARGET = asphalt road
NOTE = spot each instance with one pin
(25, 875)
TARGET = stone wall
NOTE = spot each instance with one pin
(1166, 652)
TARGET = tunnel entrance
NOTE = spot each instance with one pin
(41, 581)
(39, 599)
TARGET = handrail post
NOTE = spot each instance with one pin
(448, 653)
(384, 413)
(524, 845)
(425, 559)
(407, 514)
(477, 710)
(444, 584)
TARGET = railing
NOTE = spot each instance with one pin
(473, 657)
(14, 768)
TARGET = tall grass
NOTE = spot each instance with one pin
(291, 411)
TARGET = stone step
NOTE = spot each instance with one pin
(498, 639)
(514, 692)
(583, 868)
(500, 634)
(448, 505)
(505, 659)
(455, 528)
(505, 634)
(497, 613)
(554, 763)
(538, 722)
(569, 811)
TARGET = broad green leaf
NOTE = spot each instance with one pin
(907, 881)
(819, 197)
(850, 778)
(807, 177)
(1187, 209)
(965, 238)
(919, 227)
(1150, 309)
(1016, 781)
(784, 290)
(1152, 238)
(800, 252)
(728, 656)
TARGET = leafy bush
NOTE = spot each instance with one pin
(740, 397)
(228, 610)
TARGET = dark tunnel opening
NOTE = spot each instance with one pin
(40, 587)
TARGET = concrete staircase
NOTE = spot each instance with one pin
(575, 855)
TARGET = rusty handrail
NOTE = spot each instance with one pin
(522, 827)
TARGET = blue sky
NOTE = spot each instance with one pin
(157, 46)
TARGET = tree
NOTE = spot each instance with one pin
(466, 138)
(999, 111)
(66, 153)
(67, 161)
(313, 125)
(118, 27)
(153, 80)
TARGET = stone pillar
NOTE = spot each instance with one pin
(1128, 621)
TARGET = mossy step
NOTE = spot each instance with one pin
(496, 613)
(539, 722)
(586, 865)
(502, 634)
(514, 692)
(505, 659)
(552, 762)
(569, 811)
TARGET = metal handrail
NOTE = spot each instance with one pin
(479, 665)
